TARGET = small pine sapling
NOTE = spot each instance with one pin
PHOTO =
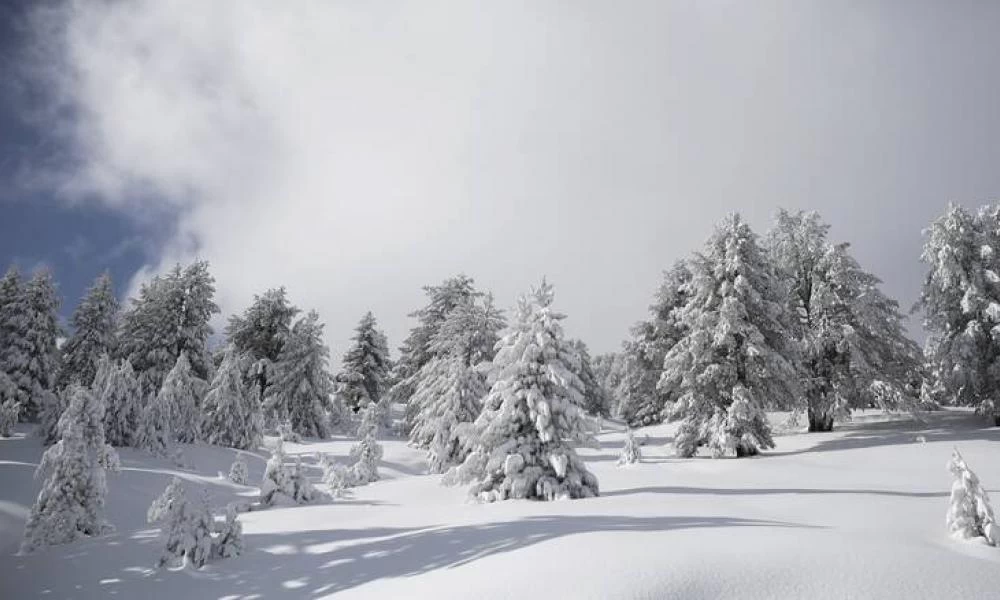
(969, 512)
(631, 453)
(239, 473)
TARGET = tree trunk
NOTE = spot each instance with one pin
(820, 421)
(744, 451)
(996, 420)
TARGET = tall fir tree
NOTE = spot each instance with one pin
(734, 358)
(182, 393)
(232, 416)
(260, 333)
(532, 415)
(94, 322)
(853, 348)
(171, 316)
(415, 351)
(29, 354)
(596, 399)
(71, 502)
(640, 400)
(365, 367)
(123, 402)
(961, 303)
(301, 387)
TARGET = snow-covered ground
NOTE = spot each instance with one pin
(857, 513)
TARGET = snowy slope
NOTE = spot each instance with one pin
(857, 513)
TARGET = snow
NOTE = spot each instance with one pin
(854, 513)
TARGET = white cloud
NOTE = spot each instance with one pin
(356, 151)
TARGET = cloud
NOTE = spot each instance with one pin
(354, 151)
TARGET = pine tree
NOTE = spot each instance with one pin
(416, 351)
(631, 453)
(94, 322)
(231, 416)
(28, 355)
(367, 452)
(961, 302)
(154, 433)
(186, 527)
(734, 356)
(641, 399)
(451, 386)
(301, 388)
(71, 502)
(260, 333)
(170, 317)
(366, 366)
(182, 393)
(970, 514)
(596, 399)
(122, 398)
(10, 408)
(532, 415)
(851, 336)
(48, 418)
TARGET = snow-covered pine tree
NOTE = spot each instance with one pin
(122, 399)
(48, 417)
(94, 322)
(365, 366)
(851, 336)
(171, 316)
(596, 399)
(186, 528)
(260, 333)
(415, 351)
(71, 502)
(232, 417)
(532, 415)
(734, 358)
(29, 355)
(10, 408)
(301, 386)
(961, 302)
(631, 453)
(154, 433)
(970, 514)
(641, 398)
(239, 473)
(367, 452)
(182, 393)
(451, 386)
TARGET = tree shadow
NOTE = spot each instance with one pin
(321, 562)
(696, 491)
(938, 427)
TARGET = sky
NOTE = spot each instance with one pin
(354, 152)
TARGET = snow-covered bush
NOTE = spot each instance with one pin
(186, 529)
(228, 542)
(239, 473)
(288, 480)
(969, 512)
(336, 477)
(10, 408)
(287, 434)
(71, 502)
(367, 452)
(631, 453)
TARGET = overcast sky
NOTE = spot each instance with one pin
(355, 151)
